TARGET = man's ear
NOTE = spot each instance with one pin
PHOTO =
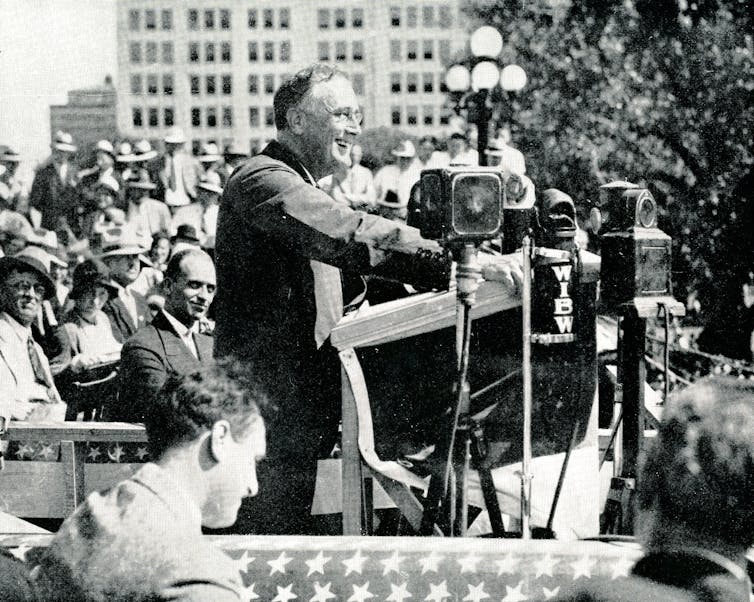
(295, 118)
(219, 439)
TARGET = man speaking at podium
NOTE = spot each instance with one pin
(289, 260)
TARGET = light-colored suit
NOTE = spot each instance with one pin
(186, 173)
(17, 384)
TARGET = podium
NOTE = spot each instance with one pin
(399, 325)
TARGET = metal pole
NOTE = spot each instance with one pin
(482, 126)
(527, 392)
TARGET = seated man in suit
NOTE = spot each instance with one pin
(695, 501)
(127, 310)
(27, 389)
(142, 539)
(172, 342)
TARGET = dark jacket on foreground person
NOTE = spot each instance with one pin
(281, 246)
(121, 321)
(147, 359)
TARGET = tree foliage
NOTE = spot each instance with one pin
(658, 92)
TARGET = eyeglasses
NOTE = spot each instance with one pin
(343, 114)
(25, 286)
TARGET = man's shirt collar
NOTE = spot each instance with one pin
(22, 332)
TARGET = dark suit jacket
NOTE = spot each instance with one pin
(147, 359)
(121, 321)
(57, 200)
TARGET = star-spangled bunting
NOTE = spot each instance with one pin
(317, 564)
(278, 565)
(361, 593)
(583, 567)
(438, 592)
(248, 594)
(430, 562)
(620, 568)
(94, 453)
(476, 593)
(515, 594)
(398, 593)
(545, 566)
(507, 564)
(284, 594)
(322, 593)
(354, 564)
(468, 563)
(392, 563)
(550, 593)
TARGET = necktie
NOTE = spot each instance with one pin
(36, 364)
(171, 172)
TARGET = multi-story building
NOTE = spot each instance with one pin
(89, 115)
(212, 66)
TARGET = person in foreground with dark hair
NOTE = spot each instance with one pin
(142, 539)
(696, 510)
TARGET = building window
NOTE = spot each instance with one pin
(412, 115)
(210, 84)
(443, 85)
(224, 18)
(227, 117)
(285, 52)
(167, 84)
(285, 18)
(209, 52)
(428, 83)
(357, 18)
(412, 83)
(323, 18)
(445, 16)
(340, 18)
(151, 52)
(253, 52)
(134, 53)
(253, 82)
(225, 52)
(269, 52)
(251, 18)
(227, 84)
(395, 83)
(428, 49)
(269, 116)
(211, 117)
(193, 52)
(357, 50)
(209, 19)
(194, 84)
(135, 84)
(411, 16)
(133, 20)
(196, 117)
(196, 146)
(340, 51)
(136, 118)
(445, 117)
(269, 84)
(150, 20)
(254, 117)
(395, 16)
(444, 50)
(395, 115)
(412, 50)
(154, 119)
(357, 81)
(167, 53)
(323, 51)
(193, 19)
(151, 84)
(429, 115)
(168, 116)
(428, 15)
(395, 51)
(267, 18)
(167, 20)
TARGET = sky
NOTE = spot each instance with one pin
(48, 47)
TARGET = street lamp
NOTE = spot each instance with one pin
(471, 89)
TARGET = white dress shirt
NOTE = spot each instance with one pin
(184, 333)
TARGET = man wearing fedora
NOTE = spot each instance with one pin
(127, 310)
(27, 388)
(145, 215)
(9, 160)
(202, 214)
(172, 343)
(500, 153)
(53, 191)
(393, 182)
(179, 173)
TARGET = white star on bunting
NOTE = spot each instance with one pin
(468, 563)
(476, 593)
(621, 567)
(398, 593)
(437, 593)
(278, 565)
(248, 594)
(322, 593)
(583, 567)
(361, 593)
(545, 565)
(550, 593)
(93, 452)
(514, 594)
(284, 594)
(46, 452)
(430, 563)
(116, 454)
(507, 564)
(25, 450)
(317, 564)
(393, 563)
(355, 563)
(242, 564)
(141, 453)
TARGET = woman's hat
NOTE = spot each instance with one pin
(186, 233)
(89, 274)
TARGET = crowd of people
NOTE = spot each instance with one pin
(173, 265)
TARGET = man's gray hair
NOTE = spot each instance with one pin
(295, 88)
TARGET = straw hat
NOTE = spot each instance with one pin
(175, 135)
(144, 151)
(404, 149)
(63, 141)
(211, 181)
(209, 153)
